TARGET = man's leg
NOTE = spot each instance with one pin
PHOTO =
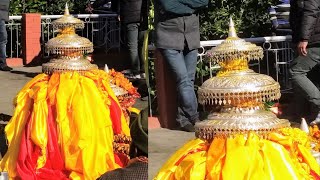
(190, 57)
(142, 34)
(185, 88)
(132, 31)
(299, 69)
(3, 42)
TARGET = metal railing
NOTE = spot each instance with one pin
(14, 37)
(101, 29)
(277, 56)
(104, 31)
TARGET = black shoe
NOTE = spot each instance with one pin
(5, 68)
(126, 72)
(188, 128)
(132, 76)
(196, 121)
(315, 122)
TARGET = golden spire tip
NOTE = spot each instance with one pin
(66, 11)
(232, 30)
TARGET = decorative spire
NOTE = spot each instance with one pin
(67, 20)
(66, 10)
(304, 126)
(234, 48)
(232, 30)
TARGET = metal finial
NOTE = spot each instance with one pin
(304, 126)
(232, 30)
(66, 10)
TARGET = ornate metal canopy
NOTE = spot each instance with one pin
(234, 48)
(69, 47)
(239, 91)
(68, 20)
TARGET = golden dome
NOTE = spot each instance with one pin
(230, 123)
(67, 20)
(239, 91)
(69, 47)
(78, 64)
(66, 43)
(234, 48)
(234, 88)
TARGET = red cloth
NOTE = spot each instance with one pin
(115, 114)
(29, 153)
(121, 159)
(315, 175)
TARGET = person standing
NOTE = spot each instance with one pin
(4, 16)
(134, 17)
(305, 24)
(178, 38)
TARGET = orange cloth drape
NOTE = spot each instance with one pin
(242, 157)
(63, 126)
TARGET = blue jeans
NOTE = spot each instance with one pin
(299, 69)
(183, 66)
(134, 42)
(3, 42)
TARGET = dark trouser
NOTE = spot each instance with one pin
(134, 42)
(300, 67)
(3, 42)
(183, 66)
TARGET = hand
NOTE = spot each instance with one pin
(138, 159)
(302, 48)
(143, 159)
(119, 19)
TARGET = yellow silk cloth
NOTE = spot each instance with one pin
(242, 158)
(82, 116)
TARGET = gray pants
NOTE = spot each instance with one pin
(300, 67)
(3, 42)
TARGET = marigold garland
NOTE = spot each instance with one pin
(232, 66)
(315, 137)
(118, 79)
(126, 101)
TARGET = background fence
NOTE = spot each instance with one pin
(101, 29)
(277, 57)
(104, 30)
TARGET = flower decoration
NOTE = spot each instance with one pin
(118, 79)
(315, 137)
(127, 100)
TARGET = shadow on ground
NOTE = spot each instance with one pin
(27, 74)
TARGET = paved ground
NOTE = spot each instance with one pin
(11, 83)
(162, 144)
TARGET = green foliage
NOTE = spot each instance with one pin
(251, 18)
(151, 16)
(47, 7)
